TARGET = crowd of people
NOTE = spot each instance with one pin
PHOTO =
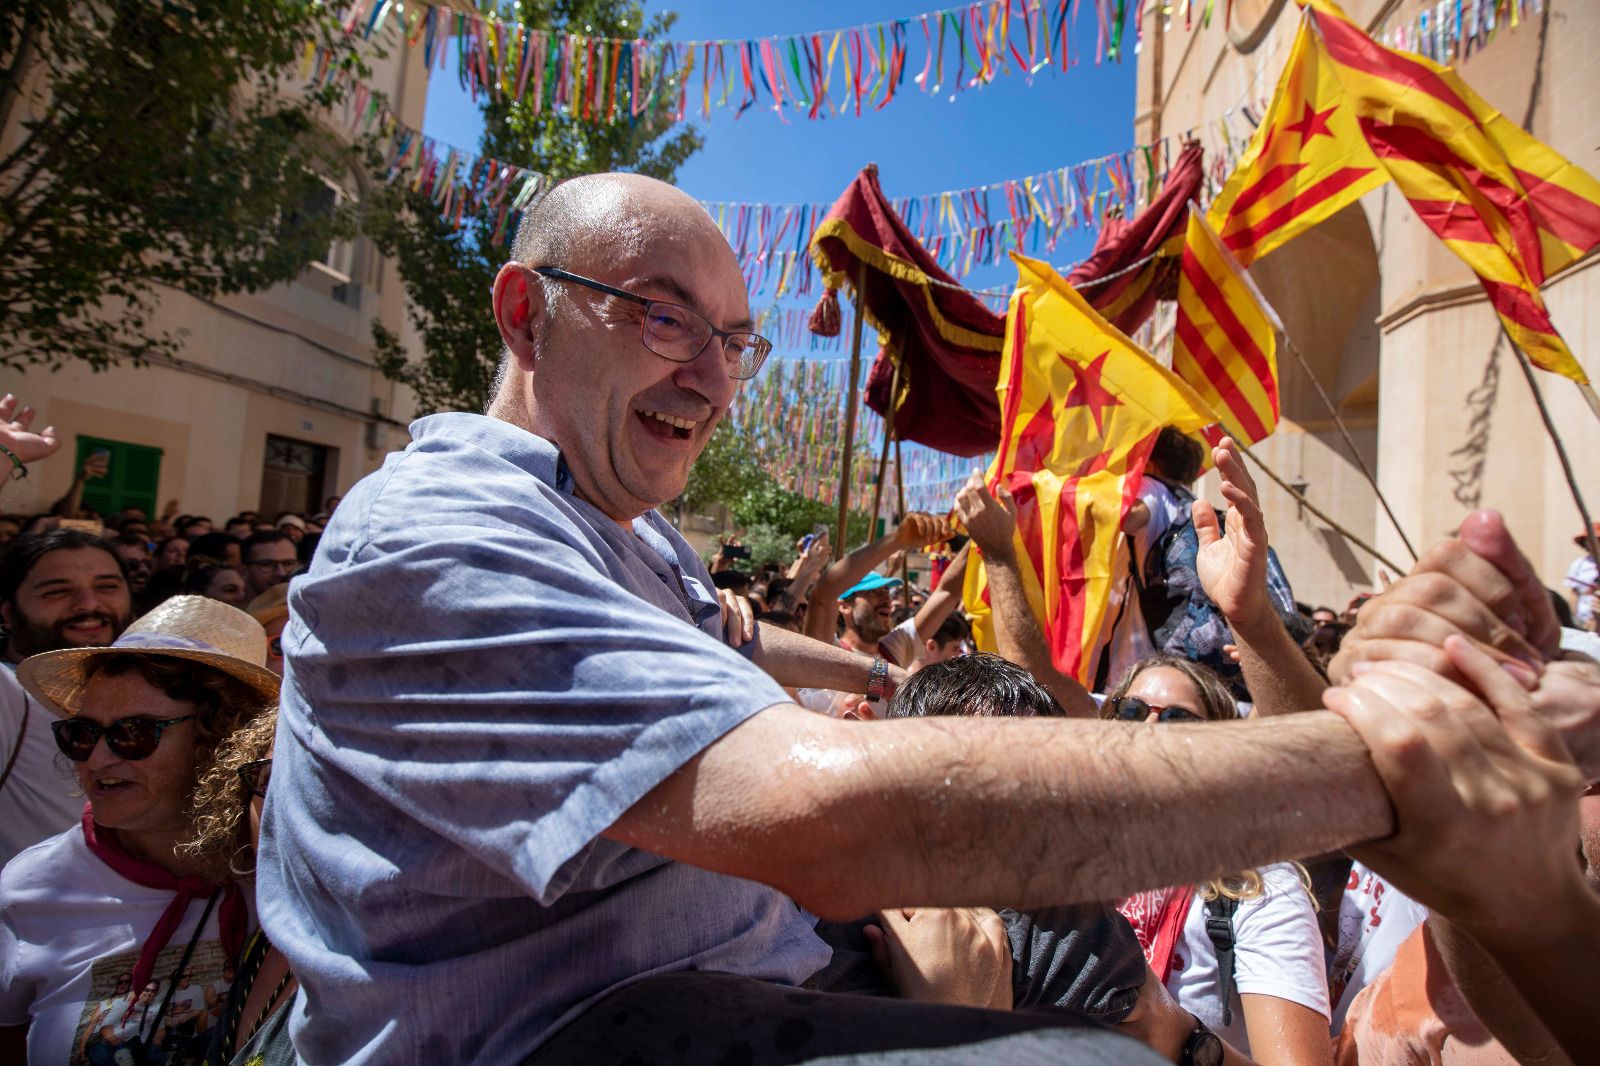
(484, 764)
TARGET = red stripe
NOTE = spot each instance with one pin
(1562, 211)
(1205, 286)
(1213, 369)
(1269, 182)
(1454, 220)
(1419, 145)
(1520, 306)
(1348, 45)
(1066, 628)
(1304, 201)
(1019, 355)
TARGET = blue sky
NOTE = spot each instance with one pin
(921, 143)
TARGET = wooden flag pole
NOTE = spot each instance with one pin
(900, 491)
(1561, 450)
(883, 457)
(1299, 498)
(850, 415)
(1350, 443)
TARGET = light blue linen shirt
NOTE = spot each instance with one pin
(484, 672)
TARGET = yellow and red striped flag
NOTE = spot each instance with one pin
(1225, 343)
(1514, 210)
(1081, 407)
(1305, 162)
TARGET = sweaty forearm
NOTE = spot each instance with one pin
(849, 818)
(1021, 640)
(1276, 671)
(801, 662)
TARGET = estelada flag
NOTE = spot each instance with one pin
(1513, 209)
(1305, 162)
(1225, 341)
(1081, 407)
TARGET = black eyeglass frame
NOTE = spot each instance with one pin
(762, 346)
(103, 732)
(1164, 714)
(250, 774)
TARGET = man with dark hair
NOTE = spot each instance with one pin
(948, 642)
(239, 526)
(192, 526)
(62, 589)
(978, 685)
(133, 551)
(269, 559)
(218, 547)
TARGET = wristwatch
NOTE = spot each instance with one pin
(1203, 1048)
(877, 680)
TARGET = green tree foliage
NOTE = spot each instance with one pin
(152, 146)
(448, 272)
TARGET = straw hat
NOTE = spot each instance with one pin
(184, 627)
(271, 605)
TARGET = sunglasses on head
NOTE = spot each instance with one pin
(128, 738)
(1133, 709)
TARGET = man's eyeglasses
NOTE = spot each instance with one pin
(287, 567)
(678, 333)
(255, 776)
(1133, 709)
(132, 738)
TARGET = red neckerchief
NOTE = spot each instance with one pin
(1157, 917)
(231, 916)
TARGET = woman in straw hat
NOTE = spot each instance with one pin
(140, 887)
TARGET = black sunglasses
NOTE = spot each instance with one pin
(128, 738)
(679, 333)
(255, 776)
(1133, 709)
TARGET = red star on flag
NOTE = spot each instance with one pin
(1312, 123)
(1088, 392)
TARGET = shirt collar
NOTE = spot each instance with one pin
(523, 449)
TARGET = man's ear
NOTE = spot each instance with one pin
(519, 306)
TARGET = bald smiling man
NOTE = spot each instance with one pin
(529, 804)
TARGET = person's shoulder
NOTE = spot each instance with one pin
(45, 869)
(1282, 887)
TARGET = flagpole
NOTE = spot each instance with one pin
(1350, 443)
(850, 414)
(900, 491)
(1299, 498)
(883, 457)
(1561, 450)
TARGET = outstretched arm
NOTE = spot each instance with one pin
(915, 531)
(1232, 567)
(992, 524)
(798, 661)
(945, 597)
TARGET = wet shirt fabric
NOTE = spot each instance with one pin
(483, 673)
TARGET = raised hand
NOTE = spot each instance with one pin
(1232, 565)
(991, 520)
(16, 433)
(919, 530)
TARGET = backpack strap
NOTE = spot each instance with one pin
(22, 735)
(1219, 927)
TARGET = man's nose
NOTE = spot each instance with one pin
(707, 373)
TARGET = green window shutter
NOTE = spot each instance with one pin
(132, 479)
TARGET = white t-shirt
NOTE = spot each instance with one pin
(1374, 920)
(1581, 578)
(1130, 640)
(37, 800)
(1277, 952)
(69, 927)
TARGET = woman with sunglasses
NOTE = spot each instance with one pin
(141, 723)
(1276, 1009)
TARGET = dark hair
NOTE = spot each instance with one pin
(162, 586)
(781, 619)
(1563, 609)
(979, 685)
(736, 580)
(1214, 692)
(1177, 457)
(198, 573)
(212, 545)
(23, 553)
(307, 547)
(952, 629)
(133, 540)
(193, 519)
(256, 540)
(777, 587)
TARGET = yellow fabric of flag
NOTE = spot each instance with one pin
(1306, 161)
(1225, 341)
(1513, 209)
(1081, 407)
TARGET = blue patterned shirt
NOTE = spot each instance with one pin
(484, 672)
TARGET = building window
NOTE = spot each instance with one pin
(133, 475)
(293, 476)
(339, 260)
